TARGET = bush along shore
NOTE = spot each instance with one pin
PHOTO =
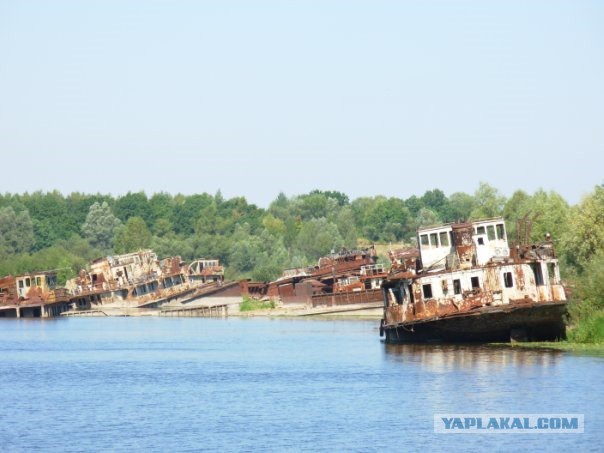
(585, 331)
(250, 304)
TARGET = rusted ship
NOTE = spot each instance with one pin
(343, 278)
(465, 283)
(133, 283)
(140, 280)
(33, 295)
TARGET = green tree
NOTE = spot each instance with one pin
(340, 197)
(346, 227)
(163, 227)
(414, 204)
(548, 211)
(489, 202)
(77, 206)
(100, 226)
(187, 211)
(553, 215)
(172, 245)
(274, 225)
(134, 235)
(584, 238)
(516, 207)
(50, 217)
(280, 207)
(133, 204)
(460, 207)
(387, 220)
(16, 231)
(79, 247)
(426, 217)
(361, 207)
(245, 250)
(162, 207)
(315, 205)
(437, 201)
(317, 238)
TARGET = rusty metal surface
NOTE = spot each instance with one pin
(525, 276)
(348, 298)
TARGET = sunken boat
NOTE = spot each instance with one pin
(465, 283)
(140, 281)
(346, 277)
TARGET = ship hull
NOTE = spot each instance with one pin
(523, 322)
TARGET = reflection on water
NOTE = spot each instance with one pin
(479, 358)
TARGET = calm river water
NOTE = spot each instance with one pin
(190, 384)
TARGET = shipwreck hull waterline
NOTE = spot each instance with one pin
(532, 322)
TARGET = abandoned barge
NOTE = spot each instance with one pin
(465, 284)
(128, 284)
(346, 277)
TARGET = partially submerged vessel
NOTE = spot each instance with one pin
(465, 283)
(140, 280)
(345, 277)
(132, 283)
(32, 295)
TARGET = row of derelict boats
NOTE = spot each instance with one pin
(134, 281)
(463, 282)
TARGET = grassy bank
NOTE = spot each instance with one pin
(588, 325)
(585, 332)
(562, 346)
(250, 304)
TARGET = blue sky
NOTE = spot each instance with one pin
(257, 97)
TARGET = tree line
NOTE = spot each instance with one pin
(49, 230)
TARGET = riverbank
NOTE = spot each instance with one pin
(366, 311)
(567, 346)
(585, 335)
(237, 308)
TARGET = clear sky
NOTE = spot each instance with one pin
(257, 97)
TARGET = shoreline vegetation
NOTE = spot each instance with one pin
(252, 305)
(51, 231)
(567, 346)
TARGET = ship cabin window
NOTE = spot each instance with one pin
(480, 241)
(424, 240)
(500, 231)
(427, 290)
(28, 282)
(38, 281)
(491, 232)
(475, 283)
(480, 230)
(410, 292)
(20, 283)
(444, 239)
(508, 281)
(433, 240)
(457, 286)
(538, 274)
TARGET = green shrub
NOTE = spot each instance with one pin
(250, 304)
(589, 329)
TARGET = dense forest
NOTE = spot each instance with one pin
(43, 231)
